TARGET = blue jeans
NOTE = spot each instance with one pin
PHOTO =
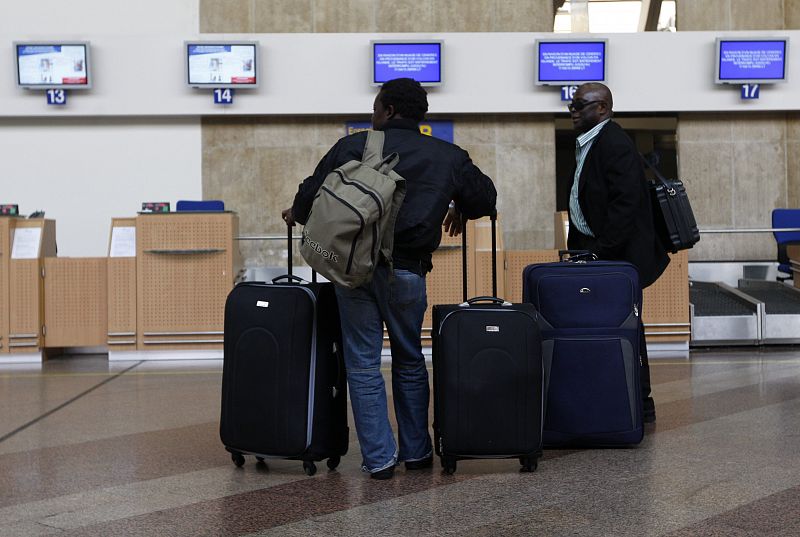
(400, 304)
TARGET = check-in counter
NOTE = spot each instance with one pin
(5, 253)
(666, 315)
(31, 242)
(186, 264)
(121, 291)
(75, 302)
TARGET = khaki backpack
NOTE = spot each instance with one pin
(352, 218)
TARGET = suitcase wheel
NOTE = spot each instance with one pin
(309, 467)
(238, 459)
(529, 464)
(333, 462)
(448, 465)
(261, 461)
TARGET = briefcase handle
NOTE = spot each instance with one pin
(576, 256)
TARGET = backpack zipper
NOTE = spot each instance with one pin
(360, 230)
(363, 189)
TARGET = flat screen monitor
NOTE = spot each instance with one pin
(570, 62)
(751, 60)
(51, 64)
(420, 60)
(229, 64)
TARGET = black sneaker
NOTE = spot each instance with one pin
(386, 473)
(421, 464)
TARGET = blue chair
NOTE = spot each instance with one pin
(785, 218)
(202, 205)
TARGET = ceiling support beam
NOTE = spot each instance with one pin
(648, 18)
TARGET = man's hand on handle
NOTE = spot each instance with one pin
(287, 216)
(452, 222)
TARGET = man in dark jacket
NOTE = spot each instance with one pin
(609, 205)
(436, 173)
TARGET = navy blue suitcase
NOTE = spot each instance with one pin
(589, 320)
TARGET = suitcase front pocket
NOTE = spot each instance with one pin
(591, 385)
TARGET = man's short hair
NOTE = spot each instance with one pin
(409, 98)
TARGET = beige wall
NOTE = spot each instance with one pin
(255, 163)
(738, 166)
(340, 16)
(735, 170)
(738, 14)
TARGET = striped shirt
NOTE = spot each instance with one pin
(582, 146)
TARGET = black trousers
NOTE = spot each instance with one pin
(648, 405)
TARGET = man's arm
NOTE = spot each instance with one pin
(623, 174)
(309, 187)
(475, 194)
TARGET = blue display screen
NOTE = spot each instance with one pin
(752, 60)
(420, 61)
(571, 61)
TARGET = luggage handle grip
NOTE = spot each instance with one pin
(289, 277)
(490, 299)
(577, 255)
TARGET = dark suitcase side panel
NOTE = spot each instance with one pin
(487, 368)
(269, 378)
(593, 393)
(330, 434)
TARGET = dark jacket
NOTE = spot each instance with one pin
(435, 172)
(614, 199)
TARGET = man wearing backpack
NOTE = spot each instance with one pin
(436, 173)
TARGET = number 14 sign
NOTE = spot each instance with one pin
(223, 96)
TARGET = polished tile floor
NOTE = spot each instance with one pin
(89, 447)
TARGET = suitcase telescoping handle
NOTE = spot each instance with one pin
(493, 218)
(289, 276)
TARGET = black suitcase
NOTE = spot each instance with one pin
(487, 379)
(284, 391)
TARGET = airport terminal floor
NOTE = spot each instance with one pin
(92, 448)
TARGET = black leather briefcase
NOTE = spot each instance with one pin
(672, 213)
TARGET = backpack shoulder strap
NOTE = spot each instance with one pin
(387, 241)
(373, 149)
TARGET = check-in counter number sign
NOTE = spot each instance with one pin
(56, 97)
(223, 96)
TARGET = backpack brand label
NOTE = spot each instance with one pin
(492, 328)
(314, 245)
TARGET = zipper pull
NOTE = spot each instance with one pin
(636, 309)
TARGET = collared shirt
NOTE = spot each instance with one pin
(582, 146)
